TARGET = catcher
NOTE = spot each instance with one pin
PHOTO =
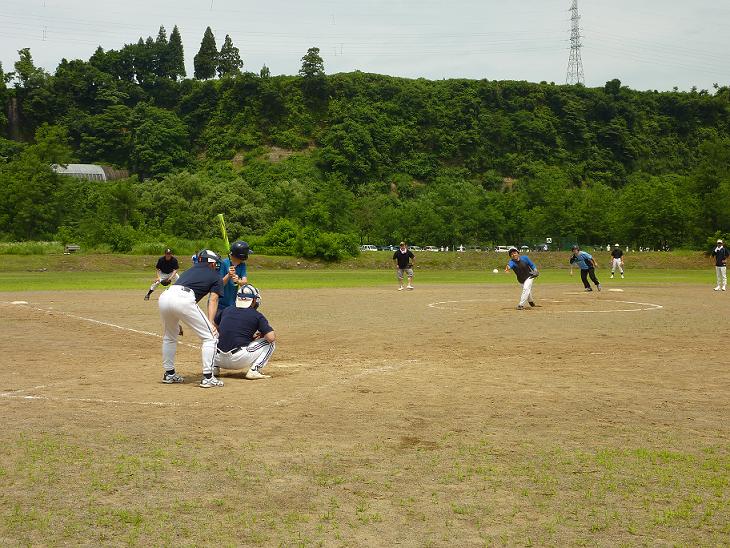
(167, 267)
(526, 272)
(245, 340)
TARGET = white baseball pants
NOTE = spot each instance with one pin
(721, 272)
(616, 263)
(164, 277)
(177, 304)
(526, 291)
(254, 356)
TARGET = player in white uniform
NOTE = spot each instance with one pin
(179, 304)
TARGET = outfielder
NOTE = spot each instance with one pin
(246, 340)
(617, 260)
(404, 259)
(526, 272)
(179, 303)
(167, 267)
(233, 272)
(721, 255)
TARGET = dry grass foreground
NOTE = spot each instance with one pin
(389, 420)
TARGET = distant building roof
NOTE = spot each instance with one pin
(91, 172)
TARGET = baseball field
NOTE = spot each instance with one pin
(435, 417)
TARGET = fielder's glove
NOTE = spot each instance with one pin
(534, 273)
(165, 282)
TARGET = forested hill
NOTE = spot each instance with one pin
(317, 162)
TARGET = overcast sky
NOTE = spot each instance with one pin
(647, 44)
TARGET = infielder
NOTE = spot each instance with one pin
(587, 265)
(233, 272)
(526, 272)
(721, 254)
(246, 340)
(179, 304)
(404, 265)
(167, 267)
(617, 260)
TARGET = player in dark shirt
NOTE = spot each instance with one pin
(617, 260)
(721, 254)
(404, 265)
(167, 267)
(246, 340)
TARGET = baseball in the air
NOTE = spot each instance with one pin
(495, 270)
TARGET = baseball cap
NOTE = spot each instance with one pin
(168, 250)
(402, 243)
(615, 245)
(719, 241)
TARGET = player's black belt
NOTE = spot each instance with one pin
(184, 288)
(231, 351)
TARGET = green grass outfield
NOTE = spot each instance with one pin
(303, 279)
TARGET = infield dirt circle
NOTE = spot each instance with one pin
(409, 418)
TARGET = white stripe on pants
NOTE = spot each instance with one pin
(721, 272)
(178, 305)
(255, 356)
(616, 263)
(526, 291)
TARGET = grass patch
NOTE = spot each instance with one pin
(312, 279)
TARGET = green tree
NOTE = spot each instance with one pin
(206, 60)
(229, 59)
(159, 141)
(176, 55)
(314, 83)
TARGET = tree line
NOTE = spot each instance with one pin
(314, 164)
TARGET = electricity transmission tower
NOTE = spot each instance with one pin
(575, 64)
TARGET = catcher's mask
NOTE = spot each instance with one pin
(240, 250)
(248, 297)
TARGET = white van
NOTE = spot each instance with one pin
(501, 249)
(368, 248)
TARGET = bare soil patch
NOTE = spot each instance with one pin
(440, 416)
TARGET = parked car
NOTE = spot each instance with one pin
(368, 248)
(430, 248)
(415, 248)
(387, 248)
(501, 249)
(524, 249)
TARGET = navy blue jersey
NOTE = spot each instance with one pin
(721, 255)
(165, 266)
(617, 253)
(237, 326)
(202, 280)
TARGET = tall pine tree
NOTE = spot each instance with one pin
(161, 54)
(229, 59)
(177, 56)
(206, 60)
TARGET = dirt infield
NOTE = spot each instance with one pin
(440, 416)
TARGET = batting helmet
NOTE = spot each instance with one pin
(248, 297)
(208, 256)
(240, 250)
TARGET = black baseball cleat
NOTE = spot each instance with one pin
(531, 303)
(520, 307)
(589, 289)
(147, 297)
(181, 331)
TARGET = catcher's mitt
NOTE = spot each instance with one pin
(165, 282)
